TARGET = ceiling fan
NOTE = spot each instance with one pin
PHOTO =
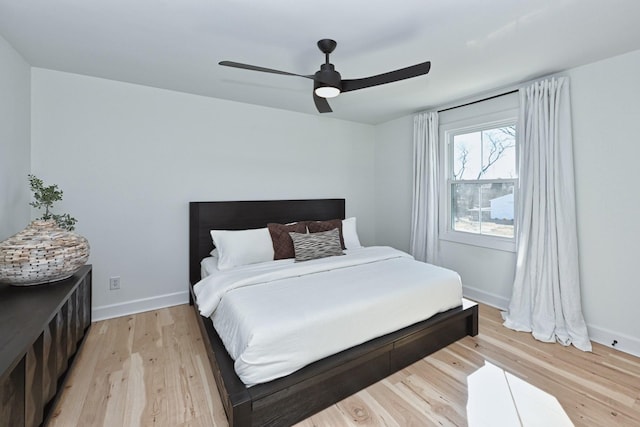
(327, 82)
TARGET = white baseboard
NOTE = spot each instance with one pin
(625, 343)
(138, 306)
(484, 297)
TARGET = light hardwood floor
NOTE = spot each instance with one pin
(151, 369)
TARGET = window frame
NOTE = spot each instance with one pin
(447, 133)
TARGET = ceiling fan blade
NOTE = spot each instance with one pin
(262, 69)
(390, 77)
(322, 104)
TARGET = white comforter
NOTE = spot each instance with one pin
(274, 318)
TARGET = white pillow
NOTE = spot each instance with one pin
(208, 266)
(349, 233)
(242, 247)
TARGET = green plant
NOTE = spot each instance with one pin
(44, 199)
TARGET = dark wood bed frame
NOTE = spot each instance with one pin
(290, 399)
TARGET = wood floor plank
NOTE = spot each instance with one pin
(365, 410)
(81, 384)
(453, 391)
(148, 346)
(136, 392)
(445, 407)
(407, 409)
(151, 369)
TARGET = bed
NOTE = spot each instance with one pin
(289, 399)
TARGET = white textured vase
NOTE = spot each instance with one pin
(41, 253)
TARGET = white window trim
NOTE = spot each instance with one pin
(446, 131)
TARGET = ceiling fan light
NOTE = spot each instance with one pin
(327, 91)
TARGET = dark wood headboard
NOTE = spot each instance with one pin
(240, 215)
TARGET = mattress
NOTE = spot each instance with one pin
(277, 317)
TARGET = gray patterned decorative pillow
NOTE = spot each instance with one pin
(316, 245)
(318, 226)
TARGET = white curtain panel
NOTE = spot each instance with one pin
(424, 213)
(546, 290)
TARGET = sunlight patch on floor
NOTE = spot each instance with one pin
(499, 399)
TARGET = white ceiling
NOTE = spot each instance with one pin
(474, 45)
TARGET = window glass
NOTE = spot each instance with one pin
(486, 154)
(483, 208)
(482, 174)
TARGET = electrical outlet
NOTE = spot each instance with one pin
(114, 283)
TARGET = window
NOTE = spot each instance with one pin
(481, 177)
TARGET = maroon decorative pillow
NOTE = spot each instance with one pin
(319, 226)
(282, 243)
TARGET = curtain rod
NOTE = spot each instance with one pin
(478, 100)
(497, 93)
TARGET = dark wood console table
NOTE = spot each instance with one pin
(41, 330)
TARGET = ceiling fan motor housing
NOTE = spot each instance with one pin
(327, 76)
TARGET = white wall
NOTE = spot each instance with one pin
(15, 76)
(129, 159)
(393, 182)
(605, 110)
